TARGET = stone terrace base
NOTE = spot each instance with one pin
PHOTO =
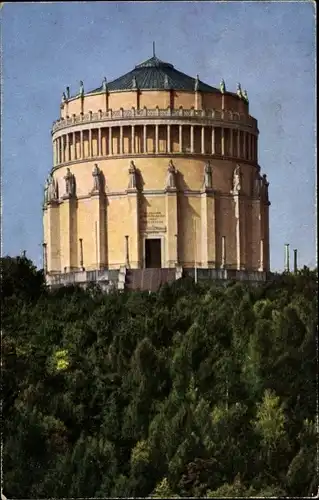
(150, 279)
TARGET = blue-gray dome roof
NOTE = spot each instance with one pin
(155, 74)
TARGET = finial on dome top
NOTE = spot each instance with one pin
(104, 84)
(239, 91)
(154, 49)
(245, 96)
(222, 86)
(196, 83)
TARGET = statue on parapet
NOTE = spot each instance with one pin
(97, 184)
(104, 84)
(237, 180)
(132, 176)
(134, 82)
(171, 173)
(239, 91)
(264, 188)
(69, 183)
(196, 86)
(50, 189)
(46, 189)
(245, 96)
(166, 82)
(222, 86)
(63, 100)
(81, 88)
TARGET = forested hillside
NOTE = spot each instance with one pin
(196, 390)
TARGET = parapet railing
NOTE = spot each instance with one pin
(133, 113)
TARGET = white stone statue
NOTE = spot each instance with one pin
(134, 82)
(171, 172)
(46, 189)
(236, 180)
(63, 100)
(132, 175)
(196, 87)
(81, 88)
(52, 188)
(222, 86)
(68, 92)
(239, 91)
(166, 83)
(245, 96)
(208, 175)
(69, 183)
(104, 84)
(257, 185)
(264, 188)
(96, 173)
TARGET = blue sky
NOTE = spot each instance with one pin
(267, 46)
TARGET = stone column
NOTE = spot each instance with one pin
(144, 140)
(192, 138)
(252, 147)
(171, 227)
(213, 140)
(110, 141)
(156, 139)
(223, 140)
(168, 138)
(244, 146)
(68, 148)
(63, 148)
(54, 153)
(90, 143)
(57, 151)
(121, 140)
(133, 139)
(238, 143)
(100, 152)
(208, 229)
(74, 146)
(231, 141)
(81, 145)
(181, 138)
(203, 140)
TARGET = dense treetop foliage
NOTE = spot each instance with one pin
(196, 390)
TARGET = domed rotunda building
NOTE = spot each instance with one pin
(155, 174)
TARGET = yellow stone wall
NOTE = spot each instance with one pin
(103, 221)
(150, 99)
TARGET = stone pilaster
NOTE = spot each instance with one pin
(98, 213)
(52, 236)
(68, 234)
(171, 227)
(134, 234)
(208, 229)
